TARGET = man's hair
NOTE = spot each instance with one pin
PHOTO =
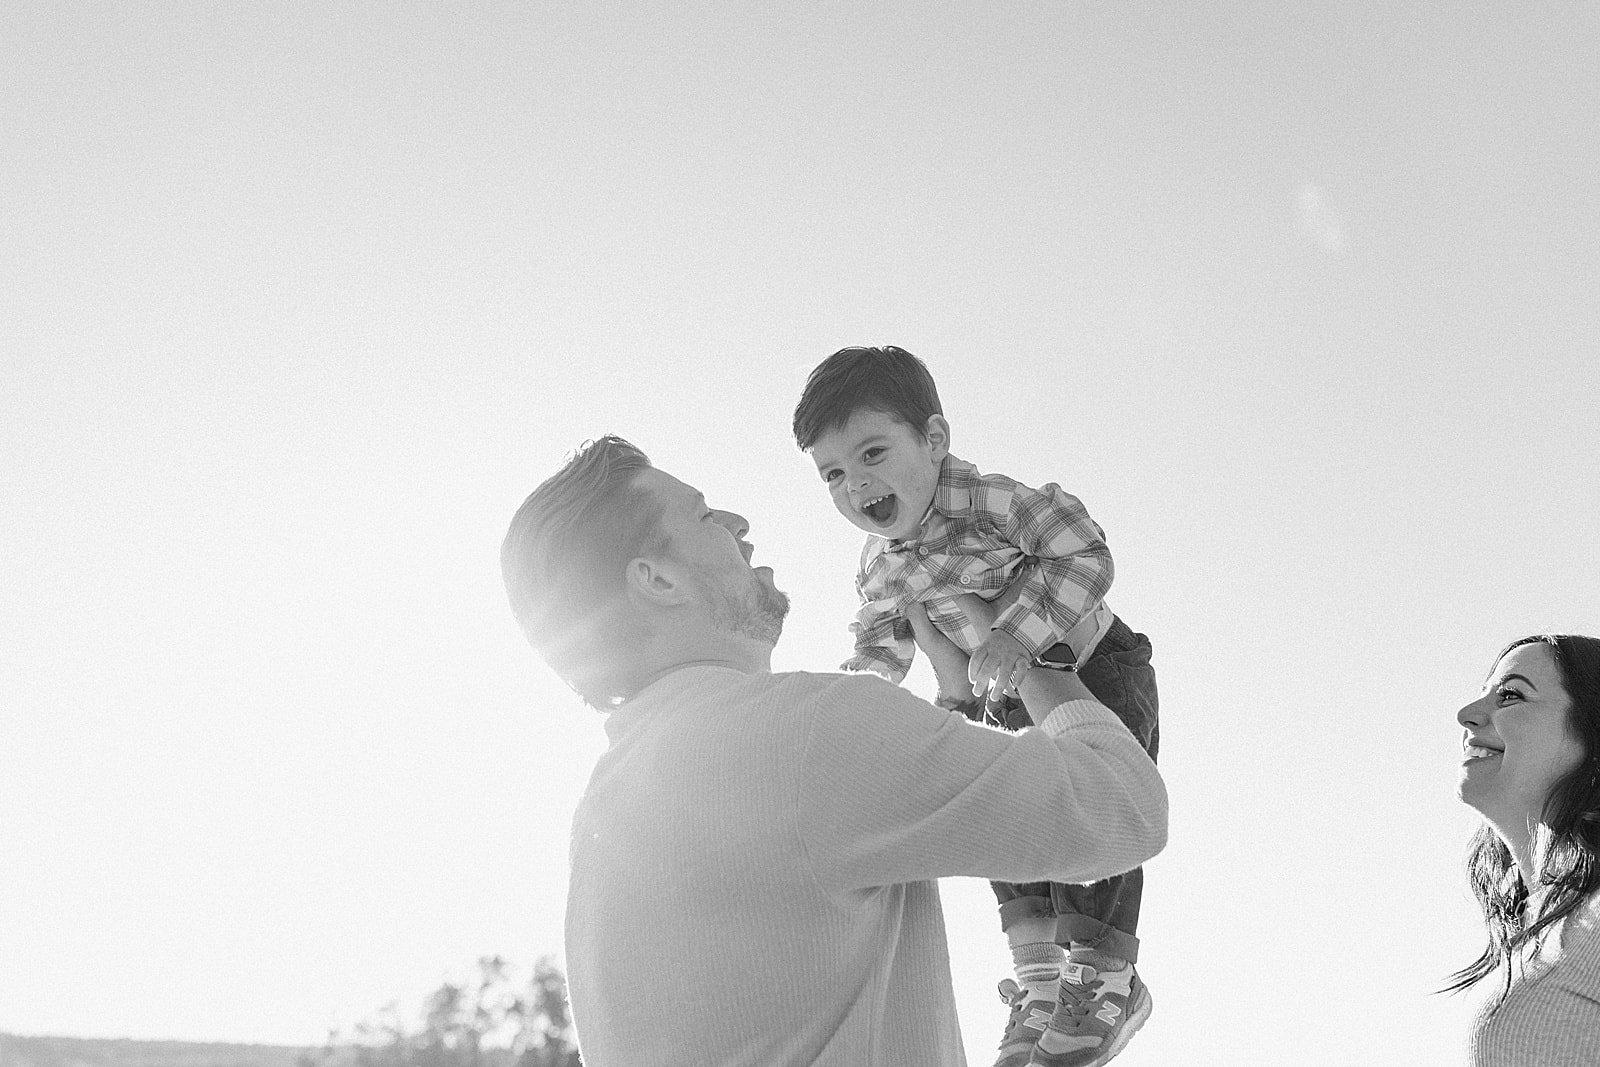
(888, 379)
(563, 561)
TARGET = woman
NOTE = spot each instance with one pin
(1532, 768)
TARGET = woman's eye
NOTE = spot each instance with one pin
(1507, 694)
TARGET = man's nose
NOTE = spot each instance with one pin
(735, 523)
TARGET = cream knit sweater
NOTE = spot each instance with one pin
(753, 863)
(1551, 1017)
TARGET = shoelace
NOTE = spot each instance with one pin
(1079, 1002)
(1018, 1000)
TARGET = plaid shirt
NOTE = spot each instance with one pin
(982, 531)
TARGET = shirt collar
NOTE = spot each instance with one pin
(952, 498)
(953, 495)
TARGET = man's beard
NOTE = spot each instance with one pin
(756, 611)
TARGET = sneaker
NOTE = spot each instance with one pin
(1096, 1014)
(1032, 1007)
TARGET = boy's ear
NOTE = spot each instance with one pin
(938, 434)
(654, 583)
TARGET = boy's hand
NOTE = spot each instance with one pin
(998, 665)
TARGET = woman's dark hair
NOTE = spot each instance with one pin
(1571, 860)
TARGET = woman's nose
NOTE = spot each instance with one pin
(1473, 714)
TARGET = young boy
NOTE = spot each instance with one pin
(872, 422)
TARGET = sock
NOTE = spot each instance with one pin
(1037, 962)
(1093, 957)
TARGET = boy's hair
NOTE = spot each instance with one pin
(888, 379)
(563, 560)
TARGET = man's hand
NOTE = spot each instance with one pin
(1041, 690)
(998, 665)
(949, 662)
(1000, 662)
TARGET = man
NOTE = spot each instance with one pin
(754, 860)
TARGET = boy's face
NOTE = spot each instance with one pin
(882, 473)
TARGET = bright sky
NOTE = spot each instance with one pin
(301, 300)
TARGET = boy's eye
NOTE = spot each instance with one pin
(829, 476)
(874, 452)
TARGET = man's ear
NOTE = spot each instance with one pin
(654, 583)
(937, 431)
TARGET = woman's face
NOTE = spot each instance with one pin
(1518, 738)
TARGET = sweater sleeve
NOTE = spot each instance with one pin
(892, 789)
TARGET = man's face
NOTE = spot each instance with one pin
(710, 543)
(881, 473)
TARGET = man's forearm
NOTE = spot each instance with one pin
(1043, 690)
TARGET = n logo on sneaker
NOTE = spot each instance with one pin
(1038, 1019)
(1108, 1013)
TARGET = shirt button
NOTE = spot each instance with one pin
(966, 579)
(922, 551)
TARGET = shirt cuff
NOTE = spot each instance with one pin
(1084, 637)
(1074, 713)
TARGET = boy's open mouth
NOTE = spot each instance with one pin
(880, 510)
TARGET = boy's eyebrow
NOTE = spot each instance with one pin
(857, 446)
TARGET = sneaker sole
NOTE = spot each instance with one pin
(1141, 1012)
